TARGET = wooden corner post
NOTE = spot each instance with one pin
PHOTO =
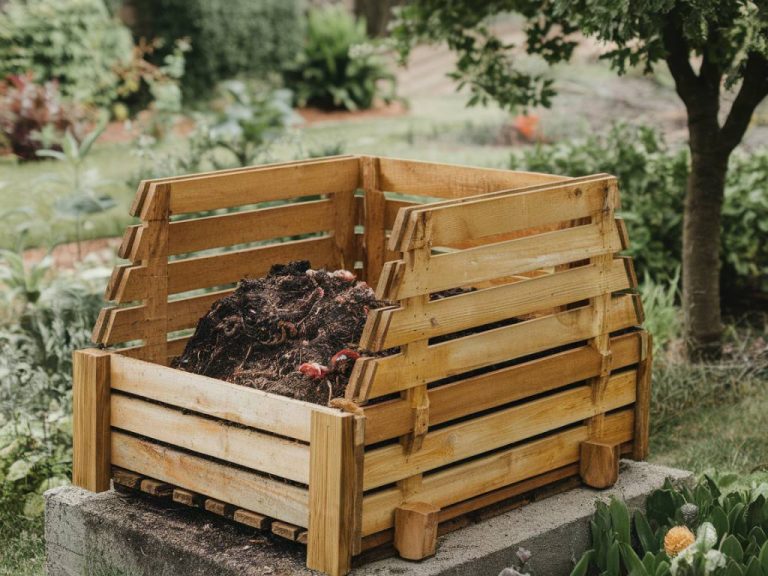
(335, 501)
(90, 434)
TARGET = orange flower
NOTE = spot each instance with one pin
(677, 539)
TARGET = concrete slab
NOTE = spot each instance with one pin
(112, 534)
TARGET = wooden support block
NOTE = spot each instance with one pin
(219, 507)
(156, 488)
(599, 464)
(251, 519)
(187, 498)
(126, 478)
(285, 530)
(302, 537)
(91, 461)
(416, 530)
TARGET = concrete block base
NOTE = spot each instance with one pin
(111, 534)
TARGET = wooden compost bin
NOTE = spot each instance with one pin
(554, 385)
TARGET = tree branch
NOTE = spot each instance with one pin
(677, 58)
(754, 88)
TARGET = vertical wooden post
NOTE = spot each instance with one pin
(375, 240)
(643, 400)
(90, 431)
(155, 213)
(344, 229)
(333, 499)
(595, 459)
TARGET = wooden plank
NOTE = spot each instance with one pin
(465, 267)
(247, 406)
(285, 530)
(126, 478)
(374, 213)
(91, 464)
(344, 220)
(227, 190)
(390, 374)
(391, 208)
(218, 507)
(450, 180)
(643, 404)
(225, 268)
(225, 483)
(465, 439)
(175, 348)
(333, 481)
(252, 519)
(156, 488)
(187, 498)
(248, 448)
(485, 474)
(513, 211)
(197, 234)
(398, 326)
(393, 418)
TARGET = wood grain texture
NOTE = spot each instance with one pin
(248, 448)
(91, 461)
(226, 483)
(212, 397)
(599, 463)
(416, 530)
(333, 471)
(643, 404)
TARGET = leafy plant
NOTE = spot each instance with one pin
(338, 67)
(82, 187)
(662, 315)
(33, 116)
(228, 38)
(730, 534)
(75, 42)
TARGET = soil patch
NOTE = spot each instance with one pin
(294, 332)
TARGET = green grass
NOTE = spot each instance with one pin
(22, 552)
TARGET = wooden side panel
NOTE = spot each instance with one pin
(226, 483)
(332, 487)
(91, 433)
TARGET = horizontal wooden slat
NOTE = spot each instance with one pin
(212, 397)
(397, 326)
(220, 269)
(239, 228)
(503, 213)
(394, 418)
(262, 452)
(482, 475)
(452, 443)
(226, 483)
(375, 377)
(464, 267)
(217, 190)
(450, 180)
(391, 207)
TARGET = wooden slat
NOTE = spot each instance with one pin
(126, 478)
(375, 377)
(285, 530)
(239, 228)
(247, 406)
(221, 269)
(217, 190)
(344, 221)
(226, 483)
(450, 180)
(262, 452)
(462, 268)
(332, 486)
(482, 475)
(643, 405)
(90, 434)
(504, 213)
(452, 443)
(391, 207)
(398, 326)
(252, 519)
(394, 418)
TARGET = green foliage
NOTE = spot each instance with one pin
(652, 178)
(636, 34)
(662, 316)
(75, 42)
(228, 37)
(337, 67)
(730, 533)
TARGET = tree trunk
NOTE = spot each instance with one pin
(701, 241)
(377, 14)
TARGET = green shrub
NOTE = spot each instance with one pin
(75, 42)
(337, 68)
(228, 37)
(730, 534)
(652, 178)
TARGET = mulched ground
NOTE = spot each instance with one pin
(294, 332)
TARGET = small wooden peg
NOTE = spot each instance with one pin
(416, 530)
(599, 465)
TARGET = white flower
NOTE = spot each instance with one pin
(713, 560)
(706, 536)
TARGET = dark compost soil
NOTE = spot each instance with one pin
(294, 332)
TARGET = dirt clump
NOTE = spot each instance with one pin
(294, 332)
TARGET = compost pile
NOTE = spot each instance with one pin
(294, 332)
